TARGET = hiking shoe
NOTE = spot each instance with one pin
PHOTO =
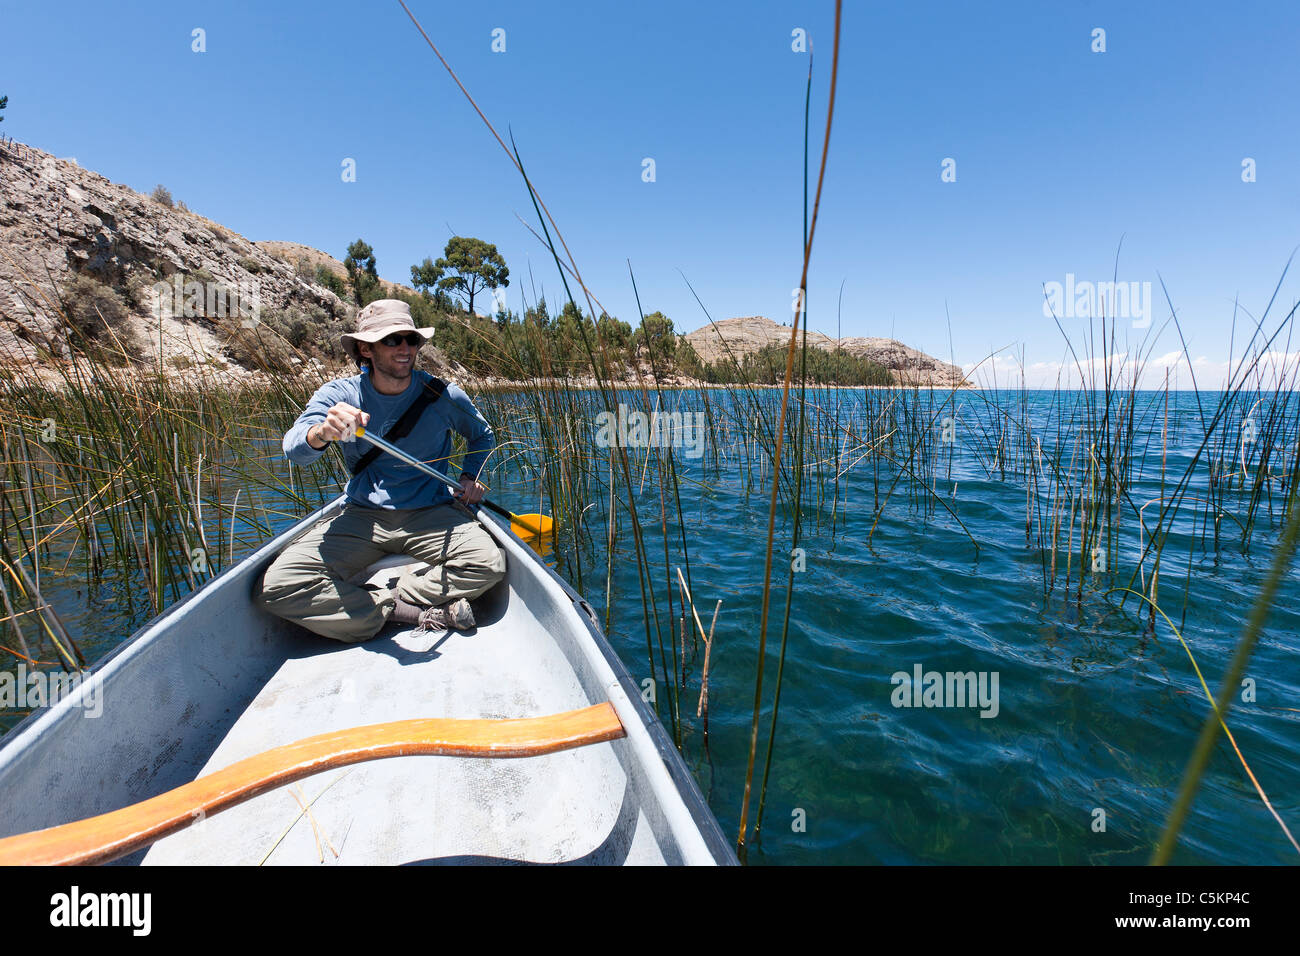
(455, 616)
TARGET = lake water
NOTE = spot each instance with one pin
(1075, 749)
(1095, 715)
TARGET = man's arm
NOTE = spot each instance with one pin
(327, 418)
(314, 437)
(465, 418)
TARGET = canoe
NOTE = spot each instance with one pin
(215, 686)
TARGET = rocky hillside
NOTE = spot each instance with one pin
(740, 336)
(163, 279)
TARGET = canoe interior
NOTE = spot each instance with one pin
(214, 680)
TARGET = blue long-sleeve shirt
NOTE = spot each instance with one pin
(389, 482)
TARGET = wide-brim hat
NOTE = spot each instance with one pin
(381, 318)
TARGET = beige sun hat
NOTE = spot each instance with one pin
(380, 318)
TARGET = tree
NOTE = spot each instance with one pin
(614, 333)
(162, 195)
(477, 266)
(656, 335)
(538, 317)
(574, 329)
(426, 275)
(362, 271)
(330, 280)
(4, 101)
(688, 360)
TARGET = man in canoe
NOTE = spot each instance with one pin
(392, 508)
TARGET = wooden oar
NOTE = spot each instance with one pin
(111, 835)
(522, 525)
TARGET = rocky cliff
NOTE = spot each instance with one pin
(169, 284)
(740, 336)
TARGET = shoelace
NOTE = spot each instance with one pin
(432, 618)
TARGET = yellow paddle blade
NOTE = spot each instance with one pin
(532, 526)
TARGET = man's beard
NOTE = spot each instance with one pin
(392, 369)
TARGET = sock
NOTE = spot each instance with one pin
(404, 612)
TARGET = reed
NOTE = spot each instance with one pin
(143, 474)
(129, 477)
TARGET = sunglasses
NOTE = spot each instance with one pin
(397, 338)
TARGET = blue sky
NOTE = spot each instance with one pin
(1059, 151)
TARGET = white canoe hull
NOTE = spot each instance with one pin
(214, 680)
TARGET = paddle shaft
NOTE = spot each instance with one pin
(429, 470)
(109, 836)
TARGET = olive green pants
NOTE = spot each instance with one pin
(309, 582)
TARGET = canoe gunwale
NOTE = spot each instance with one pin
(252, 565)
(632, 708)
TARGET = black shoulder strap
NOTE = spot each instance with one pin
(431, 392)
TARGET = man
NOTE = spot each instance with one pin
(392, 508)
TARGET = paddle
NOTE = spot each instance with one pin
(109, 836)
(531, 524)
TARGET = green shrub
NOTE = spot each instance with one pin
(312, 331)
(330, 280)
(766, 366)
(140, 292)
(260, 346)
(93, 308)
(100, 321)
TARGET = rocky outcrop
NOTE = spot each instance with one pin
(740, 336)
(735, 338)
(59, 221)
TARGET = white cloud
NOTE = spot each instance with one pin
(1006, 371)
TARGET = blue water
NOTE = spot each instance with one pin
(1095, 713)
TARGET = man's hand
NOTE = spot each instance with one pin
(471, 492)
(340, 424)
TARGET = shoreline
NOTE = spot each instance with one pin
(56, 373)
